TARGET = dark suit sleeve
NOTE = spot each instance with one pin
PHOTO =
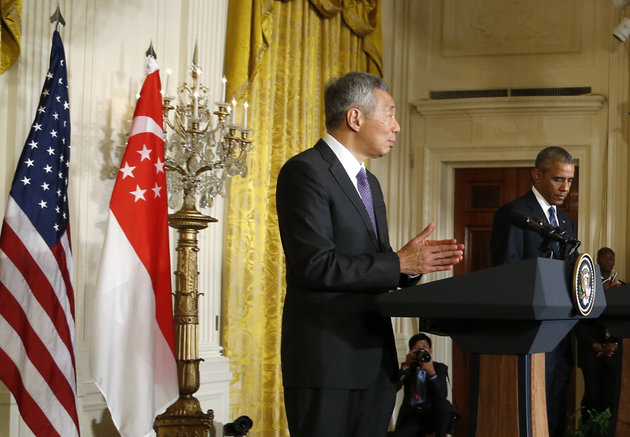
(507, 241)
(437, 387)
(586, 332)
(325, 243)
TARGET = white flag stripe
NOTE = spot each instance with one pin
(143, 124)
(65, 243)
(12, 278)
(165, 367)
(22, 226)
(133, 314)
(35, 385)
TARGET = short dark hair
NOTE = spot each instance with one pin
(354, 89)
(416, 338)
(604, 250)
(551, 154)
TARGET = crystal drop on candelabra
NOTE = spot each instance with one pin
(205, 201)
(232, 171)
(175, 190)
(172, 144)
(193, 163)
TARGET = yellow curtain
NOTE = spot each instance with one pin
(279, 55)
(10, 32)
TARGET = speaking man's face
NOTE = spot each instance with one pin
(378, 130)
(555, 182)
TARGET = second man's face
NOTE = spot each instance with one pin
(555, 182)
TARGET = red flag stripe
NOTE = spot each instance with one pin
(14, 285)
(62, 253)
(38, 283)
(32, 413)
(36, 386)
(37, 352)
(49, 265)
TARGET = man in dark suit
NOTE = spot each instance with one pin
(339, 363)
(552, 176)
(424, 407)
(599, 354)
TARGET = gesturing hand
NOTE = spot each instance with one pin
(421, 255)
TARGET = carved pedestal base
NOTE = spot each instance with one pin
(185, 419)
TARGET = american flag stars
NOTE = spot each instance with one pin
(45, 160)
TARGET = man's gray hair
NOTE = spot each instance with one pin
(547, 156)
(353, 90)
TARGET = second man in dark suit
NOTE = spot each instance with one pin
(552, 175)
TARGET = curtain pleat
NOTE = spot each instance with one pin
(10, 32)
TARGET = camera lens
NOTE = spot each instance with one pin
(423, 356)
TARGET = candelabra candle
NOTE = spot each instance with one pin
(168, 76)
(233, 111)
(245, 106)
(203, 148)
(223, 82)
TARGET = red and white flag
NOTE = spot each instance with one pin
(37, 342)
(133, 347)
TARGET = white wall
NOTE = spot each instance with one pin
(105, 44)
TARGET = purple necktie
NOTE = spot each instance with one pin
(366, 194)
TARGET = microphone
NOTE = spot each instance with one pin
(554, 233)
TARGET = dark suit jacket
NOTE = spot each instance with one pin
(332, 335)
(588, 332)
(436, 389)
(510, 243)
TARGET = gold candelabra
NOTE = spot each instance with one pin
(201, 156)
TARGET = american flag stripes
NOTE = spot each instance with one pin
(37, 340)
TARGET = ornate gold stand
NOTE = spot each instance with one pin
(184, 418)
(200, 158)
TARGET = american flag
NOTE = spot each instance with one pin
(37, 340)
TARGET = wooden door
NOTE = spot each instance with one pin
(479, 192)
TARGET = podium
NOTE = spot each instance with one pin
(521, 309)
(616, 317)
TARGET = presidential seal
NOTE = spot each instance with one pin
(584, 284)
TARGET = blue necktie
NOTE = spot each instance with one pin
(554, 222)
(366, 195)
(552, 216)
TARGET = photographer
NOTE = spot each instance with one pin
(424, 408)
